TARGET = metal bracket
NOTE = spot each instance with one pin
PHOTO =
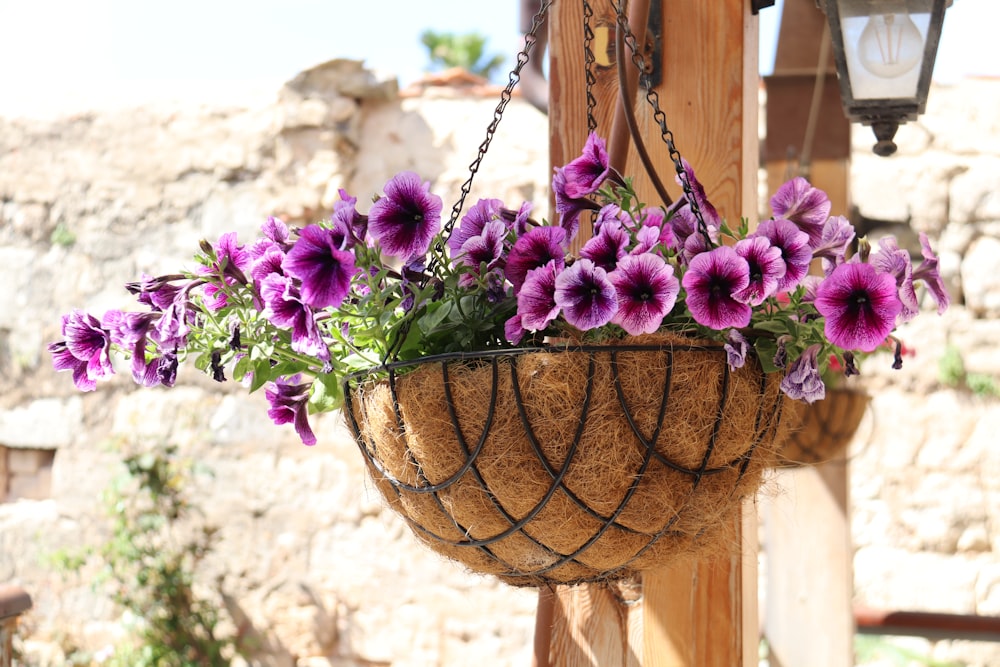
(757, 5)
(653, 47)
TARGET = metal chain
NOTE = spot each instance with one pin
(589, 61)
(661, 120)
(505, 96)
(456, 211)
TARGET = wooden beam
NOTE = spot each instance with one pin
(699, 614)
(809, 620)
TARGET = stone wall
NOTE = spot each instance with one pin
(328, 576)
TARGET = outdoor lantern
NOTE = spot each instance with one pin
(885, 52)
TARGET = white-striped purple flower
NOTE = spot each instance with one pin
(766, 268)
(324, 268)
(587, 297)
(859, 304)
(406, 219)
(794, 246)
(711, 279)
(646, 290)
(806, 206)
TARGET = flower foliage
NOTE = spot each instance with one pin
(297, 310)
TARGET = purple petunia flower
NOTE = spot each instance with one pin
(485, 248)
(284, 307)
(687, 235)
(569, 208)
(607, 247)
(929, 274)
(708, 210)
(276, 231)
(795, 251)
(860, 305)
(131, 331)
(85, 350)
(806, 206)
(348, 221)
(289, 399)
(231, 262)
(587, 297)
(895, 261)
(736, 349)
(837, 236)
(711, 279)
(324, 269)
(803, 381)
(612, 214)
(585, 174)
(535, 249)
(157, 293)
(647, 291)
(483, 212)
(767, 268)
(536, 302)
(406, 219)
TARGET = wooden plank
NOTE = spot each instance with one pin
(701, 614)
(809, 619)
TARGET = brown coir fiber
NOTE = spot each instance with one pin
(540, 468)
(821, 431)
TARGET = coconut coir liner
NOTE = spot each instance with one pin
(640, 483)
(820, 431)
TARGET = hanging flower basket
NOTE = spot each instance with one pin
(820, 431)
(570, 464)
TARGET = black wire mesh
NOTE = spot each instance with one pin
(561, 565)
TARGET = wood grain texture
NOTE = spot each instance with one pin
(702, 615)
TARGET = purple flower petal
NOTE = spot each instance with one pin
(586, 295)
(837, 236)
(585, 174)
(474, 221)
(536, 302)
(895, 261)
(736, 349)
(284, 307)
(406, 219)
(711, 279)
(513, 331)
(931, 277)
(766, 268)
(803, 381)
(646, 290)
(289, 399)
(795, 251)
(608, 246)
(534, 249)
(324, 269)
(860, 305)
(806, 206)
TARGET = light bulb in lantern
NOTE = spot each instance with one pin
(890, 45)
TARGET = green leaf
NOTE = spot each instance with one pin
(766, 349)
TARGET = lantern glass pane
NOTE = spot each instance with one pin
(884, 49)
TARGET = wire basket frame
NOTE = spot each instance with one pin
(568, 464)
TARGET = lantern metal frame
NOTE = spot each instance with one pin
(885, 114)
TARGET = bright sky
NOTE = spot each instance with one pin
(66, 55)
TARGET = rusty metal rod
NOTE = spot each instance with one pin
(932, 625)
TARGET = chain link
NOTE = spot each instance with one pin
(589, 61)
(661, 120)
(505, 97)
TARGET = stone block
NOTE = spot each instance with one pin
(981, 276)
(43, 423)
(974, 195)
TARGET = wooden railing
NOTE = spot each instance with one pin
(14, 601)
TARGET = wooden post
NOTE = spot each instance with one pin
(702, 614)
(808, 620)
